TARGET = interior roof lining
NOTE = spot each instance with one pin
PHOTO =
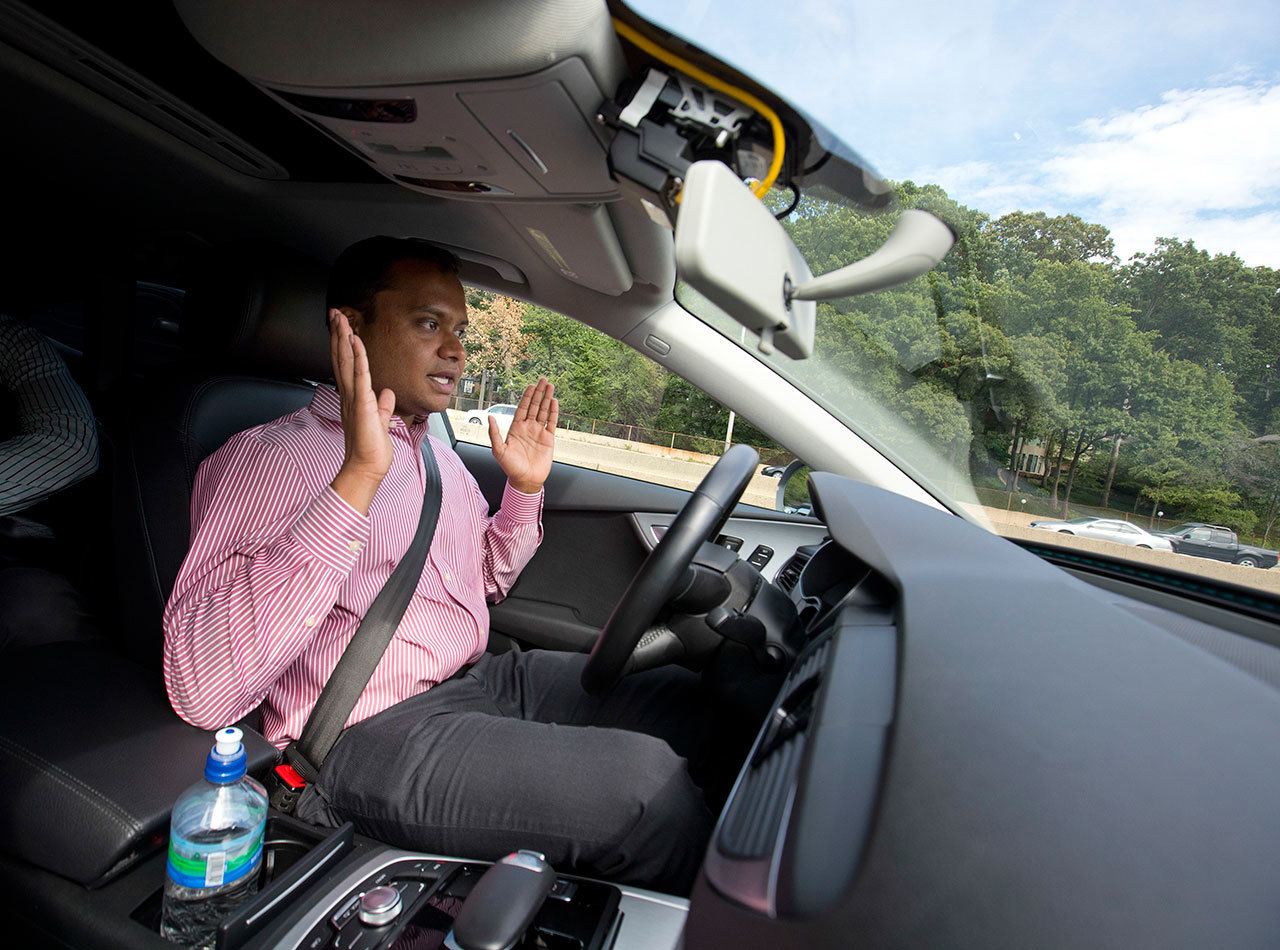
(139, 169)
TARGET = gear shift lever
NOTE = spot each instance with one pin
(503, 903)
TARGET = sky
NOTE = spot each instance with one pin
(1154, 119)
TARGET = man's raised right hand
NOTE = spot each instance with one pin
(365, 419)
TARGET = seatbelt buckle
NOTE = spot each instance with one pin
(286, 787)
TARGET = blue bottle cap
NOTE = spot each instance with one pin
(227, 760)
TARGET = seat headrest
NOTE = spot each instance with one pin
(259, 309)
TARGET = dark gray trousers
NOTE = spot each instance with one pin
(513, 754)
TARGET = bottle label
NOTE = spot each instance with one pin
(196, 865)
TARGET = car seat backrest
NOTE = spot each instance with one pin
(254, 341)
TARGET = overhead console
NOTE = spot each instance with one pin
(509, 141)
(493, 102)
(528, 138)
(578, 127)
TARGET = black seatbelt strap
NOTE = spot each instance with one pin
(370, 641)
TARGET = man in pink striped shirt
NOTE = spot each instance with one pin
(296, 526)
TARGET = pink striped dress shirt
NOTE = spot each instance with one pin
(281, 570)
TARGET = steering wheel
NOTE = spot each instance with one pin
(703, 515)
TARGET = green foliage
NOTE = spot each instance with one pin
(602, 378)
(1030, 328)
(595, 375)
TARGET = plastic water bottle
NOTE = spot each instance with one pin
(215, 845)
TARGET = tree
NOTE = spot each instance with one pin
(1024, 239)
(495, 341)
(1214, 311)
(1254, 468)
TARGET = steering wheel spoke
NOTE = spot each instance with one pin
(630, 628)
(659, 646)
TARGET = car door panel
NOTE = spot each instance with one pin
(1196, 544)
(594, 541)
(1091, 530)
(1224, 545)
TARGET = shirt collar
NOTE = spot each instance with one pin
(325, 404)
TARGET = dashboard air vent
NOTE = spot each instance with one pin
(65, 52)
(756, 810)
(790, 574)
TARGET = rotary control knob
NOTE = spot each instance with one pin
(379, 906)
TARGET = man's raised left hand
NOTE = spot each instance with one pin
(525, 455)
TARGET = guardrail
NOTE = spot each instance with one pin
(676, 441)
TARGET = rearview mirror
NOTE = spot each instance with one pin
(914, 247)
(731, 249)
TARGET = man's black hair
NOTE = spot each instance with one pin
(363, 269)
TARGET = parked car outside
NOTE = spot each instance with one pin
(1219, 544)
(1108, 529)
(503, 412)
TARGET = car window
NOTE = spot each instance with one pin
(1222, 537)
(1102, 337)
(1126, 528)
(1199, 534)
(620, 412)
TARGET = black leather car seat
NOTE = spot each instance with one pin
(92, 756)
(258, 312)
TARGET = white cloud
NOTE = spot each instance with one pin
(961, 177)
(1254, 238)
(1202, 164)
(1199, 149)
(987, 186)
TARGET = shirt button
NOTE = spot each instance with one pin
(448, 576)
(355, 546)
(309, 622)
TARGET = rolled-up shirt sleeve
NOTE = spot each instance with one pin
(511, 538)
(268, 558)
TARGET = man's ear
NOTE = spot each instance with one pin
(354, 317)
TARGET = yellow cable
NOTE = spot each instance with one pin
(693, 72)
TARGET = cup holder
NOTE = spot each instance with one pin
(292, 852)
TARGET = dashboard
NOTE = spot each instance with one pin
(976, 747)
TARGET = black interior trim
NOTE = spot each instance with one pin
(1191, 586)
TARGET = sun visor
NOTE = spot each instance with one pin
(731, 250)
(578, 242)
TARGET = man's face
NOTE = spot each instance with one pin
(414, 341)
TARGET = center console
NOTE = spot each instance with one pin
(399, 900)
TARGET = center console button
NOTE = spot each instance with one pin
(356, 938)
(319, 937)
(409, 890)
(425, 870)
(345, 913)
(380, 906)
(562, 890)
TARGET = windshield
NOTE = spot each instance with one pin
(1105, 334)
